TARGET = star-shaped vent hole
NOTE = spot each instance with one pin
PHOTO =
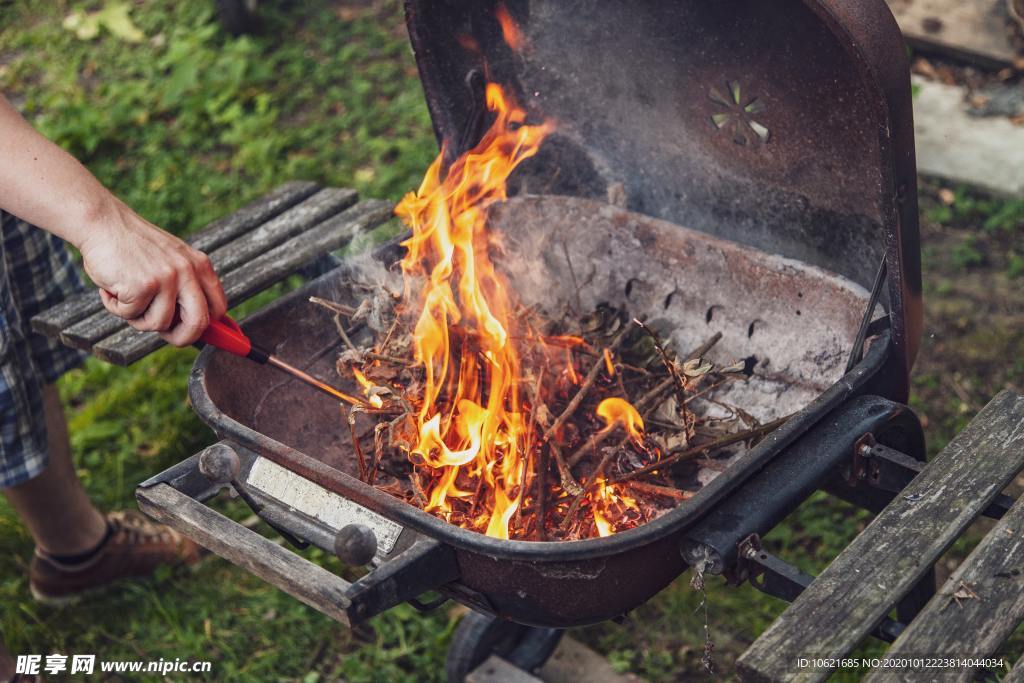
(736, 115)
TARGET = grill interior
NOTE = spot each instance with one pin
(798, 321)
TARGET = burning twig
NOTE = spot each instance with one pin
(688, 453)
(417, 489)
(387, 337)
(476, 496)
(597, 477)
(542, 494)
(599, 438)
(338, 323)
(388, 359)
(341, 309)
(664, 491)
(521, 496)
(570, 514)
(669, 364)
(588, 382)
(569, 483)
(534, 401)
(378, 450)
(351, 419)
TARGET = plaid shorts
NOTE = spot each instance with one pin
(36, 272)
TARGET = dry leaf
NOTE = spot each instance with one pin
(964, 592)
(697, 367)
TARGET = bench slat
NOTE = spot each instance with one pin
(974, 30)
(129, 345)
(968, 627)
(1016, 674)
(232, 254)
(54, 320)
(884, 562)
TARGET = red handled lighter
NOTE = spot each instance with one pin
(226, 335)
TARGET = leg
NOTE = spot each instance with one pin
(6, 663)
(77, 548)
(53, 505)
(64, 524)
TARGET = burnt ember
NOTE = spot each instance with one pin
(622, 429)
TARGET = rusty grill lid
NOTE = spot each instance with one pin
(784, 125)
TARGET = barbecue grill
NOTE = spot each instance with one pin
(737, 166)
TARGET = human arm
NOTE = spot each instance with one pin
(145, 275)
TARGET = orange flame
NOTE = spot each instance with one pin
(565, 340)
(367, 385)
(570, 369)
(471, 421)
(609, 501)
(608, 504)
(474, 435)
(617, 411)
(509, 31)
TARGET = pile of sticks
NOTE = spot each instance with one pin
(569, 367)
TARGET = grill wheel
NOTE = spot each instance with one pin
(238, 17)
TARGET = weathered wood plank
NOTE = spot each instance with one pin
(320, 206)
(86, 332)
(253, 214)
(129, 345)
(52, 321)
(1016, 674)
(975, 30)
(956, 624)
(300, 578)
(309, 213)
(884, 562)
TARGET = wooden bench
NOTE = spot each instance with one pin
(253, 248)
(976, 30)
(970, 616)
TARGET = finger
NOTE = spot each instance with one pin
(193, 316)
(212, 288)
(159, 317)
(128, 306)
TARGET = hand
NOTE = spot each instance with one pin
(151, 278)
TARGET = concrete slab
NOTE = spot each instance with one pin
(497, 670)
(985, 152)
(573, 662)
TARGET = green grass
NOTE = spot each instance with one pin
(187, 125)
